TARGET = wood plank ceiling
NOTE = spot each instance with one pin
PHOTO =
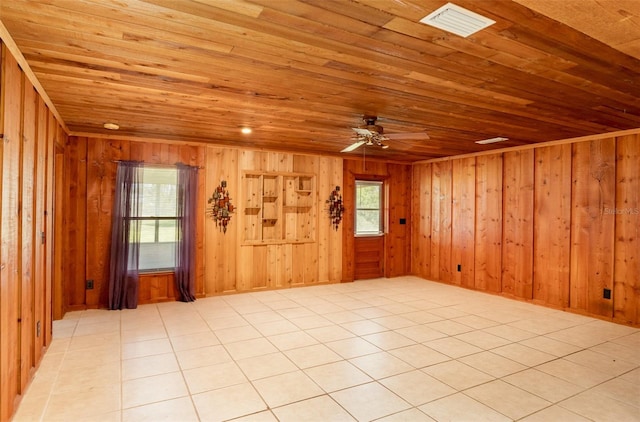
(302, 73)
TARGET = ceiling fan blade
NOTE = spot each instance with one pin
(353, 146)
(408, 135)
(362, 132)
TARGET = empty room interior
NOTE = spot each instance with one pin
(315, 210)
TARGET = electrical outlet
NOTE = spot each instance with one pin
(606, 293)
(459, 267)
(89, 284)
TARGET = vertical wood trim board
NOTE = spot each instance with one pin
(421, 221)
(441, 221)
(517, 243)
(592, 226)
(552, 228)
(463, 213)
(488, 230)
(626, 281)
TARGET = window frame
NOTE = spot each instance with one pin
(157, 221)
(380, 208)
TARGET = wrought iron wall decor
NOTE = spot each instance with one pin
(219, 206)
(336, 208)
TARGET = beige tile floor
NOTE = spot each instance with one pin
(401, 349)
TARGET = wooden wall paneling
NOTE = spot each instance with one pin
(39, 273)
(348, 223)
(75, 223)
(298, 264)
(307, 222)
(102, 157)
(195, 156)
(398, 238)
(59, 239)
(369, 257)
(11, 90)
(27, 233)
(330, 175)
(441, 221)
(517, 244)
(51, 128)
(592, 227)
(626, 283)
(463, 214)
(488, 230)
(552, 226)
(222, 251)
(157, 287)
(259, 271)
(421, 220)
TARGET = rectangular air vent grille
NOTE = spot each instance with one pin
(457, 20)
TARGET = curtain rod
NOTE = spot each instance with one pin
(157, 164)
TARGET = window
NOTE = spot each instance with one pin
(368, 208)
(158, 221)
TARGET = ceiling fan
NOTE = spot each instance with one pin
(372, 134)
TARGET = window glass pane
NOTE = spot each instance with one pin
(368, 221)
(167, 230)
(147, 231)
(368, 207)
(368, 196)
(157, 256)
(159, 192)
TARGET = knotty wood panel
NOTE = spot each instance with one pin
(101, 175)
(154, 288)
(517, 244)
(40, 233)
(552, 226)
(441, 222)
(271, 265)
(221, 249)
(369, 258)
(75, 222)
(10, 126)
(463, 221)
(398, 238)
(488, 230)
(25, 283)
(27, 231)
(626, 283)
(421, 220)
(329, 239)
(592, 225)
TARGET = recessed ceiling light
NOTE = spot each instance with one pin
(492, 140)
(246, 130)
(111, 126)
(457, 20)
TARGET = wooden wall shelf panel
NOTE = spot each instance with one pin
(279, 208)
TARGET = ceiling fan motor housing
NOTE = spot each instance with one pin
(370, 124)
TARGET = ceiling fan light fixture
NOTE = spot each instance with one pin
(492, 140)
(457, 20)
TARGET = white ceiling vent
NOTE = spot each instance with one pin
(458, 20)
